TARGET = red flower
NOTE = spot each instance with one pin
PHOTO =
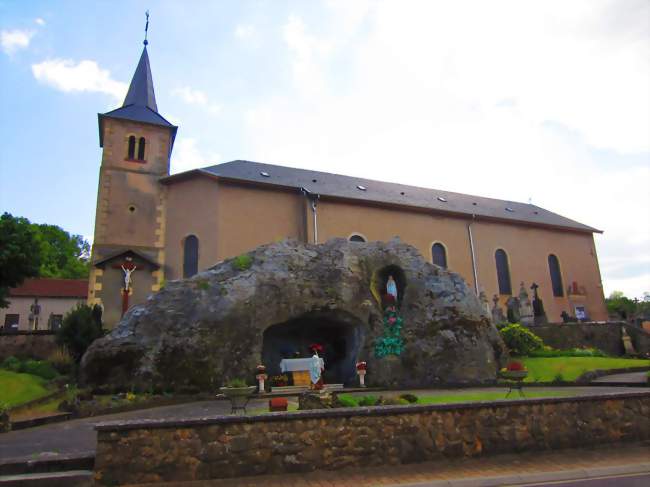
(316, 347)
(362, 366)
(515, 366)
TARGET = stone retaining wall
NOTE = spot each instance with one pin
(604, 336)
(27, 344)
(276, 443)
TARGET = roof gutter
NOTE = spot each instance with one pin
(313, 198)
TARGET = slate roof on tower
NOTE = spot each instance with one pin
(371, 191)
(140, 101)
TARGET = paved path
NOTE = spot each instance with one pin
(536, 468)
(78, 437)
(630, 377)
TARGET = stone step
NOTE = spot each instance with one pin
(71, 478)
(23, 466)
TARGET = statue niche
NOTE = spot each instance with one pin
(379, 284)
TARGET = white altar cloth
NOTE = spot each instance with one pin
(294, 364)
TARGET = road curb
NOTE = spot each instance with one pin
(531, 478)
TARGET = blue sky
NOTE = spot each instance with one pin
(544, 101)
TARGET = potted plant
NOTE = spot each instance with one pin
(514, 371)
(261, 376)
(238, 393)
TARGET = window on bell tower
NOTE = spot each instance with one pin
(131, 151)
(141, 146)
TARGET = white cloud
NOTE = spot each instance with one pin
(39, 21)
(196, 97)
(508, 99)
(14, 40)
(68, 76)
(187, 156)
(245, 32)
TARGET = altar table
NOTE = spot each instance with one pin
(299, 368)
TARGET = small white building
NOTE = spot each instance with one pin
(40, 304)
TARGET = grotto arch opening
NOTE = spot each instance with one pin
(341, 335)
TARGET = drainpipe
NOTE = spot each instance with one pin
(313, 198)
(471, 247)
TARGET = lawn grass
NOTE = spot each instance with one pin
(18, 388)
(489, 396)
(547, 369)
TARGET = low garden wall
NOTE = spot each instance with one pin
(604, 336)
(233, 446)
(27, 344)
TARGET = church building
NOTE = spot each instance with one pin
(151, 227)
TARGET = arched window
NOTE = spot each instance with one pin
(356, 238)
(141, 144)
(131, 151)
(503, 272)
(556, 275)
(439, 255)
(190, 256)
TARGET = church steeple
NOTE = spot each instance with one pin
(141, 92)
(140, 101)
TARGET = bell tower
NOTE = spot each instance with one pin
(128, 247)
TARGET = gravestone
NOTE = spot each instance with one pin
(525, 307)
(497, 313)
(512, 305)
(538, 307)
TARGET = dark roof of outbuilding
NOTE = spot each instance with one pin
(51, 288)
(140, 101)
(348, 187)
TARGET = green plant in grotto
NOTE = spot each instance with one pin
(390, 343)
(242, 262)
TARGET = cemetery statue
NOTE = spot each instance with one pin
(316, 369)
(35, 313)
(538, 306)
(391, 288)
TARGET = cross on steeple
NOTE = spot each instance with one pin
(146, 28)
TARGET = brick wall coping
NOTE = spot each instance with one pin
(351, 412)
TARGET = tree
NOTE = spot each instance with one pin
(79, 329)
(20, 256)
(63, 255)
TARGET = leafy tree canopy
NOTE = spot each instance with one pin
(38, 250)
(62, 255)
(626, 308)
(81, 326)
(20, 256)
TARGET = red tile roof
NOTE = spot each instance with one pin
(52, 288)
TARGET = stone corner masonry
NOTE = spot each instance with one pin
(233, 446)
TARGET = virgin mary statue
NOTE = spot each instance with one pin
(316, 368)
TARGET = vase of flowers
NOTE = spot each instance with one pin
(361, 372)
(261, 377)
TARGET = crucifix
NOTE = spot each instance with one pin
(128, 266)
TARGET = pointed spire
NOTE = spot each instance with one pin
(141, 90)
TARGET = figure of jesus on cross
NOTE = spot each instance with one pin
(128, 268)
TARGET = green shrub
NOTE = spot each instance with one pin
(12, 363)
(236, 383)
(347, 401)
(558, 378)
(368, 401)
(40, 368)
(242, 262)
(409, 398)
(203, 284)
(81, 326)
(520, 340)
